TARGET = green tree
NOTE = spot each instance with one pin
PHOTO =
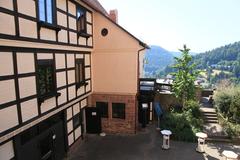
(185, 75)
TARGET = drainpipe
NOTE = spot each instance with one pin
(138, 75)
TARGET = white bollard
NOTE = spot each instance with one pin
(201, 142)
(166, 139)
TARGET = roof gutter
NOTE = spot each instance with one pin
(145, 46)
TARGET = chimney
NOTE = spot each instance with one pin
(113, 14)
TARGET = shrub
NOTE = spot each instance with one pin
(183, 123)
(228, 103)
(193, 107)
(234, 109)
(223, 101)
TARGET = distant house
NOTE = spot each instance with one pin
(66, 68)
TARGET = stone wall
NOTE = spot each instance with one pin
(116, 125)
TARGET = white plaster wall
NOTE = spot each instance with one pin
(70, 139)
(7, 24)
(29, 109)
(83, 103)
(90, 42)
(79, 56)
(80, 91)
(48, 104)
(77, 132)
(23, 7)
(63, 98)
(89, 29)
(9, 117)
(69, 113)
(61, 19)
(60, 61)
(87, 59)
(73, 37)
(6, 63)
(6, 151)
(62, 36)
(70, 60)
(7, 93)
(72, 8)
(27, 28)
(71, 76)
(76, 109)
(61, 79)
(70, 126)
(88, 87)
(89, 17)
(87, 73)
(27, 86)
(48, 34)
(72, 92)
(44, 56)
(25, 62)
(72, 23)
(8, 4)
(61, 4)
(82, 40)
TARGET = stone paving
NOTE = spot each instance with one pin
(145, 145)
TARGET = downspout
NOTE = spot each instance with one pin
(138, 75)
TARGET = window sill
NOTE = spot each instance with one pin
(83, 34)
(47, 25)
(78, 85)
(42, 98)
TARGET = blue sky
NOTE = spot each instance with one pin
(201, 24)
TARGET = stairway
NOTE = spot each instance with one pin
(210, 116)
(214, 131)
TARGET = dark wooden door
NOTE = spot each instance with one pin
(93, 120)
(42, 142)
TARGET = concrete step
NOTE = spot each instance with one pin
(209, 113)
(210, 118)
(210, 121)
(219, 139)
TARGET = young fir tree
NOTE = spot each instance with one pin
(185, 75)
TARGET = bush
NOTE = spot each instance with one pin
(223, 101)
(234, 109)
(193, 107)
(184, 124)
(228, 103)
(233, 130)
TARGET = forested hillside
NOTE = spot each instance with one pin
(225, 57)
(220, 63)
(156, 59)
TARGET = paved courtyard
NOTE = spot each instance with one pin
(146, 145)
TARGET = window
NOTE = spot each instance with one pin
(81, 20)
(80, 72)
(76, 121)
(46, 8)
(46, 80)
(118, 110)
(103, 108)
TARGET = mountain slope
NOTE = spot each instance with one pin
(228, 55)
(157, 59)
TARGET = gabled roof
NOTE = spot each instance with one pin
(94, 4)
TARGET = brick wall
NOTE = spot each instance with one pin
(116, 125)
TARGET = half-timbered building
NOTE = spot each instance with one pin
(58, 58)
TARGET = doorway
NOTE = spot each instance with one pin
(93, 120)
(44, 141)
